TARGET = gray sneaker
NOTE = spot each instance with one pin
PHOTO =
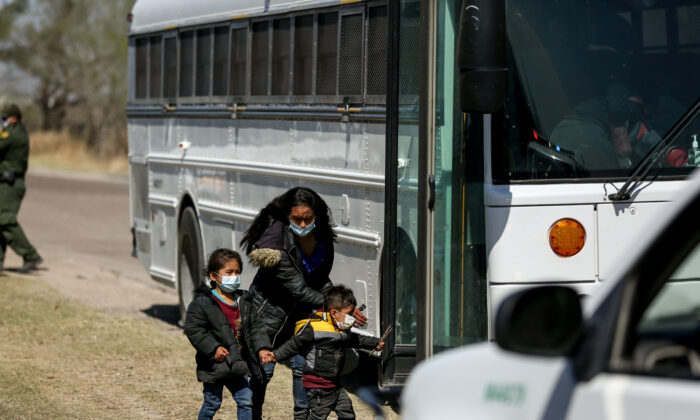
(30, 265)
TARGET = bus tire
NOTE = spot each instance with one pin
(190, 267)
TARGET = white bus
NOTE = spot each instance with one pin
(466, 149)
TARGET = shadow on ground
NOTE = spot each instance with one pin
(166, 313)
(16, 270)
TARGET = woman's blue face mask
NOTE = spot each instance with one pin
(297, 230)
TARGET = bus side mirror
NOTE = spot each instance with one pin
(483, 77)
(542, 321)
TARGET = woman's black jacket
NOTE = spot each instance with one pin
(207, 328)
(282, 291)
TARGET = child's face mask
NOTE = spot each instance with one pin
(347, 322)
(229, 283)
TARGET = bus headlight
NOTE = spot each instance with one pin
(567, 237)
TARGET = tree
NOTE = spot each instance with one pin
(9, 11)
(76, 53)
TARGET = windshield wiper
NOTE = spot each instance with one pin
(645, 165)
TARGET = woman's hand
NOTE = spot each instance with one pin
(380, 346)
(220, 354)
(266, 356)
(360, 318)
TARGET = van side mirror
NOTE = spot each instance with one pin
(483, 77)
(542, 321)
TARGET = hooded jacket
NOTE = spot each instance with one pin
(323, 345)
(207, 328)
(282, 291)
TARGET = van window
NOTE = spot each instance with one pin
(668, 334)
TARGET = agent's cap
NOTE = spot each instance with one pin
(11, 110)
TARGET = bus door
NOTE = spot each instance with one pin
(433, 284)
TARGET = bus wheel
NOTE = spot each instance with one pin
(190, 260)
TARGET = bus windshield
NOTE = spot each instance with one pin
(594, 85)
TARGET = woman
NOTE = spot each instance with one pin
(291, 243)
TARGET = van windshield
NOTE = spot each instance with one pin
(594, 85)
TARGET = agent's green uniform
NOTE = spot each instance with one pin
(14, 153)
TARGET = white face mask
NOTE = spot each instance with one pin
(346, 323)
(229, 283)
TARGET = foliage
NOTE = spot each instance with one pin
(75, 53)
(9, 11)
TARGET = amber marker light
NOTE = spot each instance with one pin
(567, 237)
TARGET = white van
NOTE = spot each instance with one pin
(630, 351)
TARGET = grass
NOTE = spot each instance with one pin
(58, 150)
(62, 360)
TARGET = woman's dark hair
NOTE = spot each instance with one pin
(338, 298)
(219, 258)
(278, 210)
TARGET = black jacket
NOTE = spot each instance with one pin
(282, 291)
(207, 328)
(323, 345)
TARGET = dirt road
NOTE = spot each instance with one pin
(80, 226)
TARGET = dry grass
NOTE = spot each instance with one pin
(58, 150)
(62, 360)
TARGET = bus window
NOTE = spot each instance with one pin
(220, 60)
(239, 43)
(688, 18)
(376, 51)
(141, 68)
(350, 62)
(594, 87)
(280, 56)
(260, 53)
(186, 63)
(326, 62)
(203, 74)
(303, 54)
(170, 70)
(155, 69)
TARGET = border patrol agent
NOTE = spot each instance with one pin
(14, 153)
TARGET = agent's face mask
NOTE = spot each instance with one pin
(229, 283)
(297, 230)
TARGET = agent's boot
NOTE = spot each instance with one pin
(30, 265)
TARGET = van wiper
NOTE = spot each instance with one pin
(645, 165)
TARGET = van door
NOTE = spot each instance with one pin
(654, 366)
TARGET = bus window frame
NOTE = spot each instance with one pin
(252, 98)
(374, 99)
(163, 99)
(145, 100)
(235, 25)
(283, 98)
(343, 12)
(311, 98)
(198, 30)
(227, 72)
(199, 99)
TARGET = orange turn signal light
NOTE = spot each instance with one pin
(567, 237)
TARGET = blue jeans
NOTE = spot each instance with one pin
(241, 392)
(301, 403)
